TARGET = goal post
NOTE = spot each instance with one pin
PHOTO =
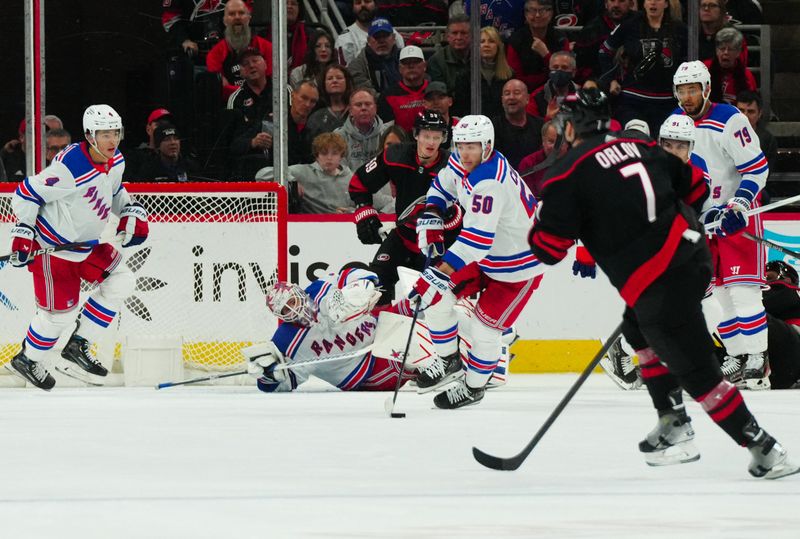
(201, 276)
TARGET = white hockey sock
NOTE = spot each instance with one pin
(442, 323)
(44, 331)
(100, 309)
(482, 358)
(751, 316)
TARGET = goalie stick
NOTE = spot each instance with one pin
(48, 250)
(279, 367)
(512, 463)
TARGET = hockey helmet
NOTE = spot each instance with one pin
(587, 110)
(101, 117)
(431, 120)
(678, 127)
(783, 270)
(475, 128)
(694, 72)
(290, 303)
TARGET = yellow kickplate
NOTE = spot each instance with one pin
(553, 356)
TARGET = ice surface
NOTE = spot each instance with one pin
(232, 462)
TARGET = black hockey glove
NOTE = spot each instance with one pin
(368, 225)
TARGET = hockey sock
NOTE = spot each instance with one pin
(44, 331)
(95, 318)
(442, 323)
(102, 306)
(659, 381)
(725, 405)
(744, 323)
(484, 355)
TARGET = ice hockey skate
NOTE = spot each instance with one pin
(619, 366)
(671, 441)
(733, 367)
(81, 363)
(458, 395)
(755, 373)
(440, 372)
(770, 460)
(31, 371)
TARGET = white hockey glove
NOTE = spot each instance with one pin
(262, 360)
(354, 300)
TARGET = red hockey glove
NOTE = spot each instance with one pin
(133, 228)
(430, 231)
(21, 245)
(430, 287)
(368, 225)
(584, 263)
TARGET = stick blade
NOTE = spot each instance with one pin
(388, 406)
(496, 463)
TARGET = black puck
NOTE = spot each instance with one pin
(398, 414)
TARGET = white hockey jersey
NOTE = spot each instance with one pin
(327, 338)
(730, 147)
(70, 200)
(498, 214)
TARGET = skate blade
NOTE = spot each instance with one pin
(676, 454)
(446, 381)
(754, 384)
(19, 375)
(782, 470)
(80, 375)
(608, 368)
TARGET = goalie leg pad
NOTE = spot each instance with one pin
(391, 335)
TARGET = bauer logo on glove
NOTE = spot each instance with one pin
(133, 228)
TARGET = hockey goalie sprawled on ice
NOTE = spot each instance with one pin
(332, 330)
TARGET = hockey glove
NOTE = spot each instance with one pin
(584, 264)
(733, 218)
(262, 360)
(22, 237)
(133, 228)
(352, 301)
(430, 231)
(368, 225)
(429, 289)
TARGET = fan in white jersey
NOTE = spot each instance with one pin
(737, 172)
(68, 202)
(491, 255)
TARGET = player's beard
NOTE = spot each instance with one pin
(238, 36)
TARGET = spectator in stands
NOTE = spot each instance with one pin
(534, 180)
(596, 31)
(55, 141)
(318, 56)
(545, 101)
(530, 46)
(224, 57)
(334, 101)
(505, 16)
(749, 102)
(13, 156)
(745, 11)
(575, 12)
(655, 42)
(437, 99)
(135, 157)
(362, 130)
(297, 34)
(353, 39)
(51, 121)
(191, 26)
(495, 72)
(167, 163)
(251, 146)
(452, 61)
(393, 135)
(322, 185)
(378, 65)
(729, 75)
(713, 18)
(517, 133)
(414, 12)
(403, 100)
(254, 98)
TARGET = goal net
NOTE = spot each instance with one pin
(201, 276)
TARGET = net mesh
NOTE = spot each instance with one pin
(201, 275)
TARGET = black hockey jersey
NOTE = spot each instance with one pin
(626, 200)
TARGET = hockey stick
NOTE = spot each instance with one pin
(390, 402)
(48, 250)
(512, 463)
(772, 244)
(279, 367)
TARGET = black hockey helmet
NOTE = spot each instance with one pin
(783, 270)
(588, 111)
(428, 119)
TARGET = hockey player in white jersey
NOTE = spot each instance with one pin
(490, 255)
(738, 171)
(70, 201)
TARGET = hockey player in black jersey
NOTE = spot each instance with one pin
(629, 202)
(411, 168)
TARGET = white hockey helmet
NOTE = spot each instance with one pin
(678, 127)
(290, 303)
(101, 117)
(691, 73)
(475, 128)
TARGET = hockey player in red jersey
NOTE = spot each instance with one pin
(651, 247)
(70, 201)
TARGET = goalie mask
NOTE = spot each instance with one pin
(290, 303)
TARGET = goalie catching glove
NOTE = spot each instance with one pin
(262, 359)
(133, 228)
(354, 300)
